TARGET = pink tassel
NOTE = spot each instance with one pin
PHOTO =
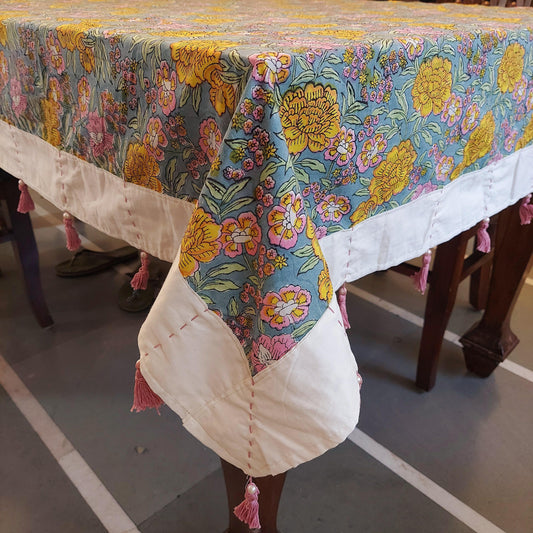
(248, 510)
(140, 280)
(420, 279)
(483, 237)
(341, 297)
(25, 204)
(73, 239)
(143, 396)
(526, 211)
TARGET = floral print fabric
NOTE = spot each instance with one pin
(283, 124)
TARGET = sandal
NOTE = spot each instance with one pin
(134, 301)
(85, 262)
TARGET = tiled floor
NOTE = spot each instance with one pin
(452, 460)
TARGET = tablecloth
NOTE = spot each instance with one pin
(274, 151)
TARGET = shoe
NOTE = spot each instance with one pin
(85, 262)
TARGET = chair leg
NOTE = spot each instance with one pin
(26, 251)
(445, 278)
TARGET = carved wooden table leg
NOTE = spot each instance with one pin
(491, 340)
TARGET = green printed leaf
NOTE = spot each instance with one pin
(329, 74)
(220, 285)
(206, 299)
(301, 174)
(216, 189)
(185, 93)
(362, 192)
(268, 170)
(305, 328)
(196, 97)
(224, 270)
(304, 77)
(313, 164)
(311, 263)
(427, 136)
(234, 189)
(235, 144)
(233, 309)
(305, 251)
(213, 206)
(236, 205)
(435, 127)
(334, 60)
(364, 181)
(397, 114)
(286, 187)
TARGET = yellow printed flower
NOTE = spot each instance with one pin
(433, 86)
(310, 117)
(141, 167)
(193, 60)
(325, 288)
(527, 137)
(221, 94)
(71, 35)
(392, 175)
(511, 67)
(50, 115)
(200, 243)
(478, 145)
(363, 210)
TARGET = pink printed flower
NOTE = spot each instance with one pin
(414, 46)
(444, 167)
(272, 67)
(166, 82)
(529, 101)
(287, 307)
(342, 147)
(154, 138)
(244, 232)
(210, 138)
(84, 96)
(333, 207)
(423, 189)
(99, 139)
(470, 119)
(453, 107)
(266, 350)
(519, 92)
(370, 155)
(18, 100)
(286, 220)
(54, 51)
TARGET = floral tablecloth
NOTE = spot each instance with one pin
(280, 148)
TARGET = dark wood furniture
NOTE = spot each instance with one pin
(18, 229)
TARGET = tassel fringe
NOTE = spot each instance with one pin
(143, 396)
(140, 280)
(25, 204)
(341, 297)
(73, 239)
(526, 211)
(483, 237)
(420, 279)
(248, 510)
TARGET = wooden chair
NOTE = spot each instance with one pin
(450, 267)
(17, 228)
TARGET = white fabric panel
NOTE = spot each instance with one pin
(410, 230)
(145, 219)
(303, 405)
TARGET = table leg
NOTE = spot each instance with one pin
(444, 281)
(270, 488)
(25, 247)
(491, 340)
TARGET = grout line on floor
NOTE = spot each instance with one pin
(400, 312)
(426, 486)
(99, 499)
